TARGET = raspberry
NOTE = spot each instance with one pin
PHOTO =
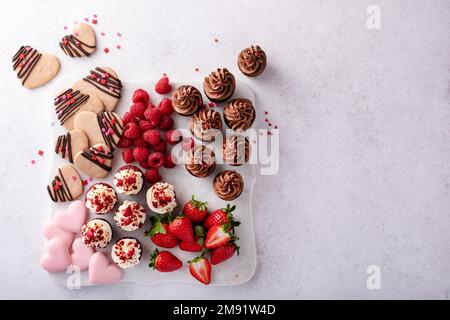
(124, 143)
(173, 136)
(169, 161)
(152, 175)
(161, 147)
(166, 123)
(140, 142)
(188, 144)
(145, 125)
(141, 153)
(163, 86)
(153, 115)
(138, 109)
(131, 131)
(127, 118)
(152, 136)
(144, 164)
(140, 95)
(127, 155)
(165, 106)
(156, 159)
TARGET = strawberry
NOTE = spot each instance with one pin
(141, 153)
(124, 143)
(200, 269)
(181, 227)
(140, 95)
(166, 123)
(173, 136)
(156, 159)
(165, 106)
(164, 261)
(163, 86)
(138, 109)
(195, 210)
(223, 253)
(152, 175)
(170, 161)
(160, 234)
(221, 216)
(152, 136)
(197, 244)
(218, 236)
(131, 131)
(127, 155)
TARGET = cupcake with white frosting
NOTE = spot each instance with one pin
(130, 216)
(96, 233)
(101, 198)
(126, 252)
(161, 198)
(128, 180)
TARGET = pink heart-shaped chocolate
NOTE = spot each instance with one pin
(81, 254)
(57, 258)
(51, 231)
(101, 271)
(73, 218)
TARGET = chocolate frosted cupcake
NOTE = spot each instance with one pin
(126, 252)
(219, 85)
(252, 61)
(228, 185)
(206, 125)
(96, 233)
(239, 114)
(200, 161)
(187, 100)
(236, 150)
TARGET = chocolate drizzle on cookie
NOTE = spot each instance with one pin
(25, 59)
(105, 82)
(64, 146)
(72, 46)
(110, 126)
(59, 190)
(68, 103)
(98, 156)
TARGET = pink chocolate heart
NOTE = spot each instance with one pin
(73, 218)
(57, 258)
(101, 271)
(51, 231)
(81, 254)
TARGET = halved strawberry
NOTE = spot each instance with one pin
(218, 236)
(195, 210)
(221, 216)
(160, 234)
(223, 253)
(164, 261)
(200, 269)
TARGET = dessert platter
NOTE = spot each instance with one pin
(151, 180)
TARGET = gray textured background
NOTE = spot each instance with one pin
(365, 138)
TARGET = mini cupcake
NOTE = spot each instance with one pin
(236, 150)
(219, 85)
(130, 216)
(252, 61)
(126, 252)
(200, 161)
(161, 198)
(228, 185)
(206, 125)
(128, 180)
(101, 198)
(239, 114)
(186, 100)
(96, 233)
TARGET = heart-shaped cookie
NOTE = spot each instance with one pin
(81, 43)
(103, 128)
(52, 231)
(70, 102)
(104, 83)
(69, 144)
(81, 254)
(33, 68)
(57, 257)
(102, 271)
(95, 161)
(66, 186)
(73, 218)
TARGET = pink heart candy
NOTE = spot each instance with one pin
(81, 254)
(101, 271)
(73, 218)
(51, 231)
(57, 258)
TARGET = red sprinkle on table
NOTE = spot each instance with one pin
(118, 46)
(216, 40)
(33, 161)
(102, 33)
(196, 69)
(106, 50)
(41, 153)
(94, 21)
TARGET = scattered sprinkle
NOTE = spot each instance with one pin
(211, 104)
(74, 178)
(94, 21)
(102, 33)
(52, 124)
(216, 40)
(270, 124)
(164, 74)
(266, 120)
(106, 50)
(33, 161)
(118, 46)
(269, 133)
(84, 182)
(86, 19)
(196, 69)
(119, 34)
(94, 15)
(41, 153)
(265, 112)
(65, 27)
(276, 127)
(75, 34)
(90, 179)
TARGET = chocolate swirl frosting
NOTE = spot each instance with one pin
(186, 100)
(236, 150)
(228, 185)
(252, 61)
(200, 161)
(239, 114)
(206, 125)
(219, 85)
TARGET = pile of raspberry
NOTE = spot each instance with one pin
(148, 130)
